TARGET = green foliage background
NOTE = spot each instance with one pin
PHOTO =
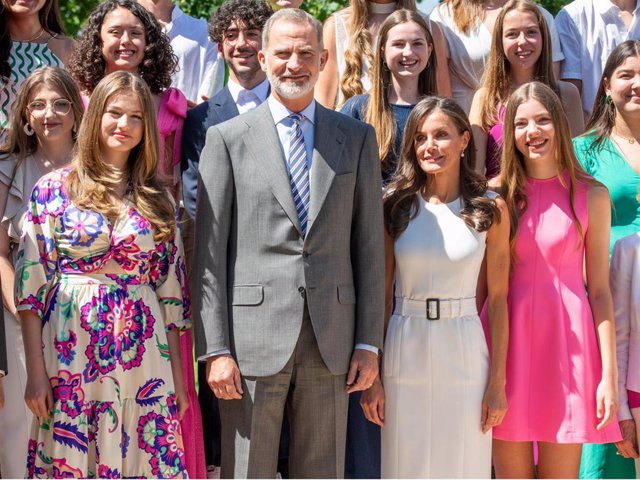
(75, 12)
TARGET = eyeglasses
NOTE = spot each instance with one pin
(61, 106)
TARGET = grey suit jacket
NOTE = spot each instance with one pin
(256, 269)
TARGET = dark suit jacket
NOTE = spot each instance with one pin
(217, 109)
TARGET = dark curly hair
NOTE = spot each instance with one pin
(253, 13)
(49, 16)
(88, 66)
(401, 200)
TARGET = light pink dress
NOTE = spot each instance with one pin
(553, 363)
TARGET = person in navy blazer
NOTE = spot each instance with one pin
(236, 27)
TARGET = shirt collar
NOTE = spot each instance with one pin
(603, 6)
(261, 90)
(279, 112)
(176, 13)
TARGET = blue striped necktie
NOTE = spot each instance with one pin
(299, 172)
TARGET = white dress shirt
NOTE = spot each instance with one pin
(196, 54)
(247, 100)
(589, 30)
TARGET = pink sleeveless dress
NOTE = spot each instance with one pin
(553, 363)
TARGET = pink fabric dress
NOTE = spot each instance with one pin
(553, 363)
(171, 115)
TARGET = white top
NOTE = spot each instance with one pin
(625, 288)
(589, 31)
(196, 54)
(246, 100)
(468, 53)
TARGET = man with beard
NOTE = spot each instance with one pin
(289, 242)
(236, 27)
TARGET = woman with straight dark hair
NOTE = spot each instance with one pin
(404, 71)
(31, 36)
(610, 152)
(440, 394)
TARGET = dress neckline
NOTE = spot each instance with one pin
(382, 8)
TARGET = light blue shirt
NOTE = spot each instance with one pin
(285, 128)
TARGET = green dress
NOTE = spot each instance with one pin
(607, 165)
(24, 58)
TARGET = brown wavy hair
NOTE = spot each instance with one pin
(378, 112)
(49, 17)
(88, 66)
(359, 47)
(497, 77)
(603, 115)
(513, 167)
(401, 200)
(91, 181)
(17, 143)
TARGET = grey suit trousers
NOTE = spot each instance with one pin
(315, 401)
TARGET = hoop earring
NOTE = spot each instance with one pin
(28, 130)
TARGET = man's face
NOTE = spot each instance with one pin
(240, 46)
(293, 59)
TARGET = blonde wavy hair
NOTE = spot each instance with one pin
(359, 49)
(466, 13)
(378, 112)
(92, 181)
(17, 142)
(497, 77)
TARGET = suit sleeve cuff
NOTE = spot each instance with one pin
(364, 346)
(224, 351)
(3, 373)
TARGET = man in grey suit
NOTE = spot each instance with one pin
(290, 261)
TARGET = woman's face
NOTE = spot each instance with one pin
(123, 41)
(278, 4)
(534, 133)
(406, 51)
(439, 145)
(521, 39)
(122, 125)
(23, 7)
(624, 86)
(50, 113)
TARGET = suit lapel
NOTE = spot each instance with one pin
(224, 105)
(328, 144)
(263, 143)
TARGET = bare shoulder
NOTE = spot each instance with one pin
(62, 47)
(599, 197)
(568, 89)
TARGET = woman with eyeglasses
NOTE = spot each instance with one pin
(45, 117)
(31, 36)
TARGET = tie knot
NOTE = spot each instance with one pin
(297, 117)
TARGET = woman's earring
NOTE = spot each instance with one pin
(607, 99)
(28, 130)
(462, 154)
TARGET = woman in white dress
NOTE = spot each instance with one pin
(442, 394)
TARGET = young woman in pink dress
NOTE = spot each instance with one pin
(561, 365)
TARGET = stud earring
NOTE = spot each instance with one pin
(28, 130)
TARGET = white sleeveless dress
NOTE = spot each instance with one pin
(436, 371)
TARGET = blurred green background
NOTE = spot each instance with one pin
(75, 12)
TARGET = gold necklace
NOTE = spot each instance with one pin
(631, 140)
(35, 37)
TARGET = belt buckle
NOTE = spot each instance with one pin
(433, 309)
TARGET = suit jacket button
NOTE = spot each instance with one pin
(305, 254)
(302, 291)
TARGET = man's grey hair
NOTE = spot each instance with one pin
(293, 15)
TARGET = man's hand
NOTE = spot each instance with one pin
(362, 371)
(223, 377)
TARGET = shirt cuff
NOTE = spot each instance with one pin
(223, 351)
(364, 346)
(3, 373)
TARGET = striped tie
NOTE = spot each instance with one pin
(299, 172)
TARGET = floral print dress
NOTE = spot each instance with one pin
(107, 294)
